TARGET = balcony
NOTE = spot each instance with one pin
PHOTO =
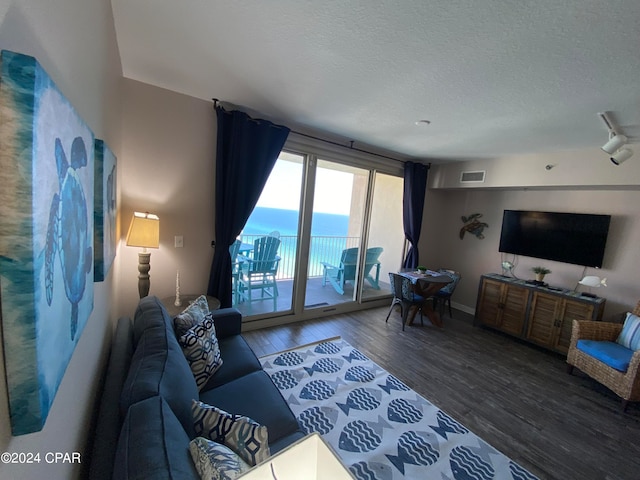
(323, 249)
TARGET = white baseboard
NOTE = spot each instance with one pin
(463, 308)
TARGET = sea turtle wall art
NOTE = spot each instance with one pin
(46, 235)
(104, 215)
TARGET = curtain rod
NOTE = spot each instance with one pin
(216, 103)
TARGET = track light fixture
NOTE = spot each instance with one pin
(613, 147)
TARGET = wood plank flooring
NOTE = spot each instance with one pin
(515, 396)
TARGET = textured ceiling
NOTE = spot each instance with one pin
(494, 77)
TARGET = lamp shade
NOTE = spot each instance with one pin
(144, 231)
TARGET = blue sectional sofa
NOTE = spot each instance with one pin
(144, 423)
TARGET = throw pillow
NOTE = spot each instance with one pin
(243, 435)
(215, 461)
(191, 316)
(201, 349)
(630, 335)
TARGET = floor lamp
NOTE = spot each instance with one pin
(144, 232)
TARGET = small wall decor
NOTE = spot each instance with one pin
(473, 225)
(46, 235)
(104, 213)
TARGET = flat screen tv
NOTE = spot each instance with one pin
(577, 238)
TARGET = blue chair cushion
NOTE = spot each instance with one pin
(630, 335)
(610, 353)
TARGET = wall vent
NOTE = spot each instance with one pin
(472, 177)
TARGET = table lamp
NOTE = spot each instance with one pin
(144, 232)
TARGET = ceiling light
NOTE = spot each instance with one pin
(615, 143)
(423, 122)
(621, 156)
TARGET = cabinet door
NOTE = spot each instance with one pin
(572, 311)
(543, 319)
(514, 309)
(490, 301)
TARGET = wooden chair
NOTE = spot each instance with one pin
(337, 275)
(444, 294)
(624, 384)
(259, 270)
(404, 296)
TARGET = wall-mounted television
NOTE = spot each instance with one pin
(577, 238)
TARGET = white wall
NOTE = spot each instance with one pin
(74, 41)
(168, 147)
(441, 245)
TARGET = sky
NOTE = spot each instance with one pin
(332, 194)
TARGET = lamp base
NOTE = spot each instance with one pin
(143, 278)
(589, 295)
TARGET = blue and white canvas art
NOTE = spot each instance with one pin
(104, 215)
(46, 235)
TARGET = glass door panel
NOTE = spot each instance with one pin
(386, 236)
(264, 285)
(339, 201)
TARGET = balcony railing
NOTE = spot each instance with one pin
(322, 249)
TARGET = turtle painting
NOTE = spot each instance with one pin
(473, 225)
(68, 235)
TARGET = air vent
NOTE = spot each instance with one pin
(472, 177)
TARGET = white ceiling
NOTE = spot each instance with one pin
(495, 77)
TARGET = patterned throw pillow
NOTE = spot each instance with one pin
(191, 316)
(630, 335)
(241, 434)
(215, 461)
(201, 349)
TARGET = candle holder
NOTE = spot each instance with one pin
(178, 302)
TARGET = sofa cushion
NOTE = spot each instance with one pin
(191, 316)
(215, 461)
(153, 444)
(630, 335)
(239, 360)
(242, 434)
(159, 367)
(610, 353)
(200, 347)
(150, 313)
(285, 441)
(255, 396)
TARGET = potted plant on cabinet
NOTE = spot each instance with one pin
(540, 273)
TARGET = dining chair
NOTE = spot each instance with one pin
(403, 295)
(444, 294)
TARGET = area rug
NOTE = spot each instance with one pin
(380, 428)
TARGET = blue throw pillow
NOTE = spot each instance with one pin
(630, 335)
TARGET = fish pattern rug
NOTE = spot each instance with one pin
(380, 428)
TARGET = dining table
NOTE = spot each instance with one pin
(426, 285)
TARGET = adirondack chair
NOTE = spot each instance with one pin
(346, 271)
(259, 270)
(234, 250)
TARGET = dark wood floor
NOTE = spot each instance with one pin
(515, 396)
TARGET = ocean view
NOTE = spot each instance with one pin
(265, 220)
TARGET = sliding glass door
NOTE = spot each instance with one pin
(339, 234)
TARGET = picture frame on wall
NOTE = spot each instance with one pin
(105, 210)
(46, 235)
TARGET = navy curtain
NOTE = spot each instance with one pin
(246, 152)
(415, 187)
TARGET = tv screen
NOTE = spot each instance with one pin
(576, 238)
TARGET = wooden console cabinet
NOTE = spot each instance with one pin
(537, 314)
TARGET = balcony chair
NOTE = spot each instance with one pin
(234, 250)
(403, 295)
(259, 270)
(609, 353)
(346, 271)
(443, 296)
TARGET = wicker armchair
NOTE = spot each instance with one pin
(624, 384)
